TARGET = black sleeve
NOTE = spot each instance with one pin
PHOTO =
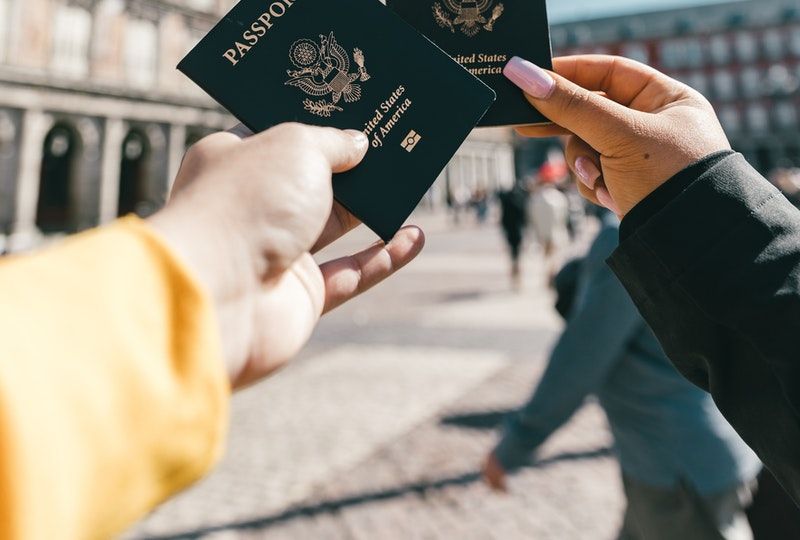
(713, 263)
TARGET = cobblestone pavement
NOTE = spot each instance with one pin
(378, 430)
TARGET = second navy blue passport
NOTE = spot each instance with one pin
(484, 35)
(346, 64)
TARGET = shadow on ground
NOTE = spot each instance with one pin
(478, 420)
(422, 489)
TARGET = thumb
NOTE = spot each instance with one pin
(344, 149)
(594, 118)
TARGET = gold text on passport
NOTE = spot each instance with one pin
(257, 30)
(387, 116)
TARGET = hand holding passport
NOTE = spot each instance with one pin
(354, 64)
(247, 235)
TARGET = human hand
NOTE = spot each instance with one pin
(246, 215)
(630, 127)
(494, 474)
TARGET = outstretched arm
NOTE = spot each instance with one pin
(592, 344)
(120, 346)
(710, 250)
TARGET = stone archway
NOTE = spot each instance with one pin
(56, 205)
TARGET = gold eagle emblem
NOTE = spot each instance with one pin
(470, 16)
(323, 69)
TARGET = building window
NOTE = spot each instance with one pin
(558, 35)
(731, 119)
(785, 115)
(758, 118)
(699, 82)
(752, 84)
(694, 53)
(636, 51)
(724, 85)
(720, 50)
(774, 44)
(579, 35)
(71, 33)
(746, 47)
(782, 82)
(672, 54)
(141, 60)
(682, 53)
(794, 41)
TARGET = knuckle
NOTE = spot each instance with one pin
(198, 153)
(290, 132)
(574, 98)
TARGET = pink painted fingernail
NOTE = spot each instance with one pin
(587, 171)
(530, 78)
(604, 197)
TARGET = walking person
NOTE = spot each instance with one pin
(549, 214)
(514, 219)
(686, 472)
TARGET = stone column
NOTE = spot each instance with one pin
(10, 139)
(85, 196)
(35, 124)
(176, 146)
(113, 136)
(158, 182)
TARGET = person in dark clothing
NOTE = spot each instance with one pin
(685, 471)
(709, 249)
(514, 219)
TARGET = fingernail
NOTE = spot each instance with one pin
(358, 136)
(604, 198)
(587, 171)
(529, 77)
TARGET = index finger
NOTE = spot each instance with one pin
(628, 82)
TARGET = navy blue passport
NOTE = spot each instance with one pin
(346, 64)
(484, 35)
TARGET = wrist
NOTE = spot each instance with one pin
(214, 243)
(668, 191)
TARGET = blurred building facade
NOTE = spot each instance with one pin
(94, 117)
(743, 56)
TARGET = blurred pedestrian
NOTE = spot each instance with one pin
(480, 202)
(576, 218)
(550, 213)
(514, 219)
(459, 199)
(686, 473)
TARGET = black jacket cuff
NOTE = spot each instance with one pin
(668, 192)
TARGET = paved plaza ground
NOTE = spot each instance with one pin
(378, 430)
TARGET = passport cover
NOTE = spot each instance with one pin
(346, 64)
(483, 35)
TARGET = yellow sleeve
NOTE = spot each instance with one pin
(113, 394)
